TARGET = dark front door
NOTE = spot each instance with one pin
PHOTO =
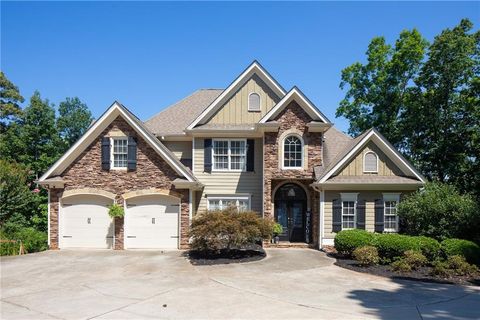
(290, 212)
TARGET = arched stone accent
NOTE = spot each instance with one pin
(92, 191)
(151, 192)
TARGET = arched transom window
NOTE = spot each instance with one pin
(370, 162)
(254, 102)
(292, 152)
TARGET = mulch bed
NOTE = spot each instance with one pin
(422, 274)
(244, 254)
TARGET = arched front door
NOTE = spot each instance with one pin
(290, 212)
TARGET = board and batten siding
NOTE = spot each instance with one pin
(368, 196)
(229, 182)
(181, 149)
(385, 166)
(235, 110)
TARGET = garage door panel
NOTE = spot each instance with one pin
(85, 222)
(152, 222)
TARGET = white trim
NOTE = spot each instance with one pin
(321, 232)
(238, 196)
(190, 206)
(282, 155)
(254, 68)
(48, 218)
(328, 242)
(193, 155)
(229, 155)
(295, 94)
(263, 176)
(259, 103)
(360, 145)
(376, 162)
(111, 113)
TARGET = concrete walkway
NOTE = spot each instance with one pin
(288, 284)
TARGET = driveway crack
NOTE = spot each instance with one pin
(30, 309)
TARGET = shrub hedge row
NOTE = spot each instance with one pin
(391, 245)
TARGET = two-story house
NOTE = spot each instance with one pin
(253, 145)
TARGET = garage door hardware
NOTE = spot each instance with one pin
(153, 220)
(131, 236)
(109, 237)
(174, 237)
(175, 205)
(89, 220)
(67, 236)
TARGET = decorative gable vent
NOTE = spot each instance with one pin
(370, 162)
(254, 102)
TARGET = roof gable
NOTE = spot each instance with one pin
(296, 95)
(254, 69)
(115, 110)
(358, 144)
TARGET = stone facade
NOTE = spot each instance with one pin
(151, 172)
(292, 119)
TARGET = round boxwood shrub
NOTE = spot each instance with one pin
(347, 241)
(392, 245)
(468, 249)
(430, 247)
(366, 256)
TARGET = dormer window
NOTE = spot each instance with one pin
(370, 162)
(292, 152)
(254, 102)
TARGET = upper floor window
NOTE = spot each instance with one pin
(292, 152)
(370, 162)
(119, 153)
(229, 155)
(254, 102)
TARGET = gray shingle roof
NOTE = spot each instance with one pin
(174, 119)
(373, 179)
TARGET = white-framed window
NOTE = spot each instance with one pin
(390, 202)
(229, 155)
(370, 162)
(349, 211)
(293, 152)
(254, 102)
(119, 152)
(242, 203)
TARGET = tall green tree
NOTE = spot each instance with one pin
(39, 135)
(74, 119)
(443, 120)
(10, 99)
(379, 90)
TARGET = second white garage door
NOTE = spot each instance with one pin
(151, 222)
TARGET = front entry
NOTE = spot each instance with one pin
(290, 212)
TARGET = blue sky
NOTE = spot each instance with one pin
(150, 54)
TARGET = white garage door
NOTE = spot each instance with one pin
(85, 223)
(151, 222)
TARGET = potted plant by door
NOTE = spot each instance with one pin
(277, 230)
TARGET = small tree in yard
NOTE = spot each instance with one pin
(228, 229)
(440, 212)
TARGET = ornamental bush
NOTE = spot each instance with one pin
(366, 256)
(415, 259)
(32, 239)
(455, 265)
(392, 245)
(347, 241)
(468, 249)
(400, 266)
(441, 212)
(228, 229)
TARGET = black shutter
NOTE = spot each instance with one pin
(132, 154)
(361, 214)
(207, 155)
(379, 218)
(337, 215)
(250, 155)
(105, 153)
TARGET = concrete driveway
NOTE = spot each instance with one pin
(288, 284)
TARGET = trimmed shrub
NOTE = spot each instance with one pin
(441, 269)
(430, 247)
(391, 245)
(460, 266)
(228, 229)
(347, 241)
(400, 266)
(366, 256)
(415, 259)
(32, 239)
(465, 248)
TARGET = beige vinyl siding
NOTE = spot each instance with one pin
(229, 183)
(235, 110)
(181, 149)
(385, 166)
(368, 196)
